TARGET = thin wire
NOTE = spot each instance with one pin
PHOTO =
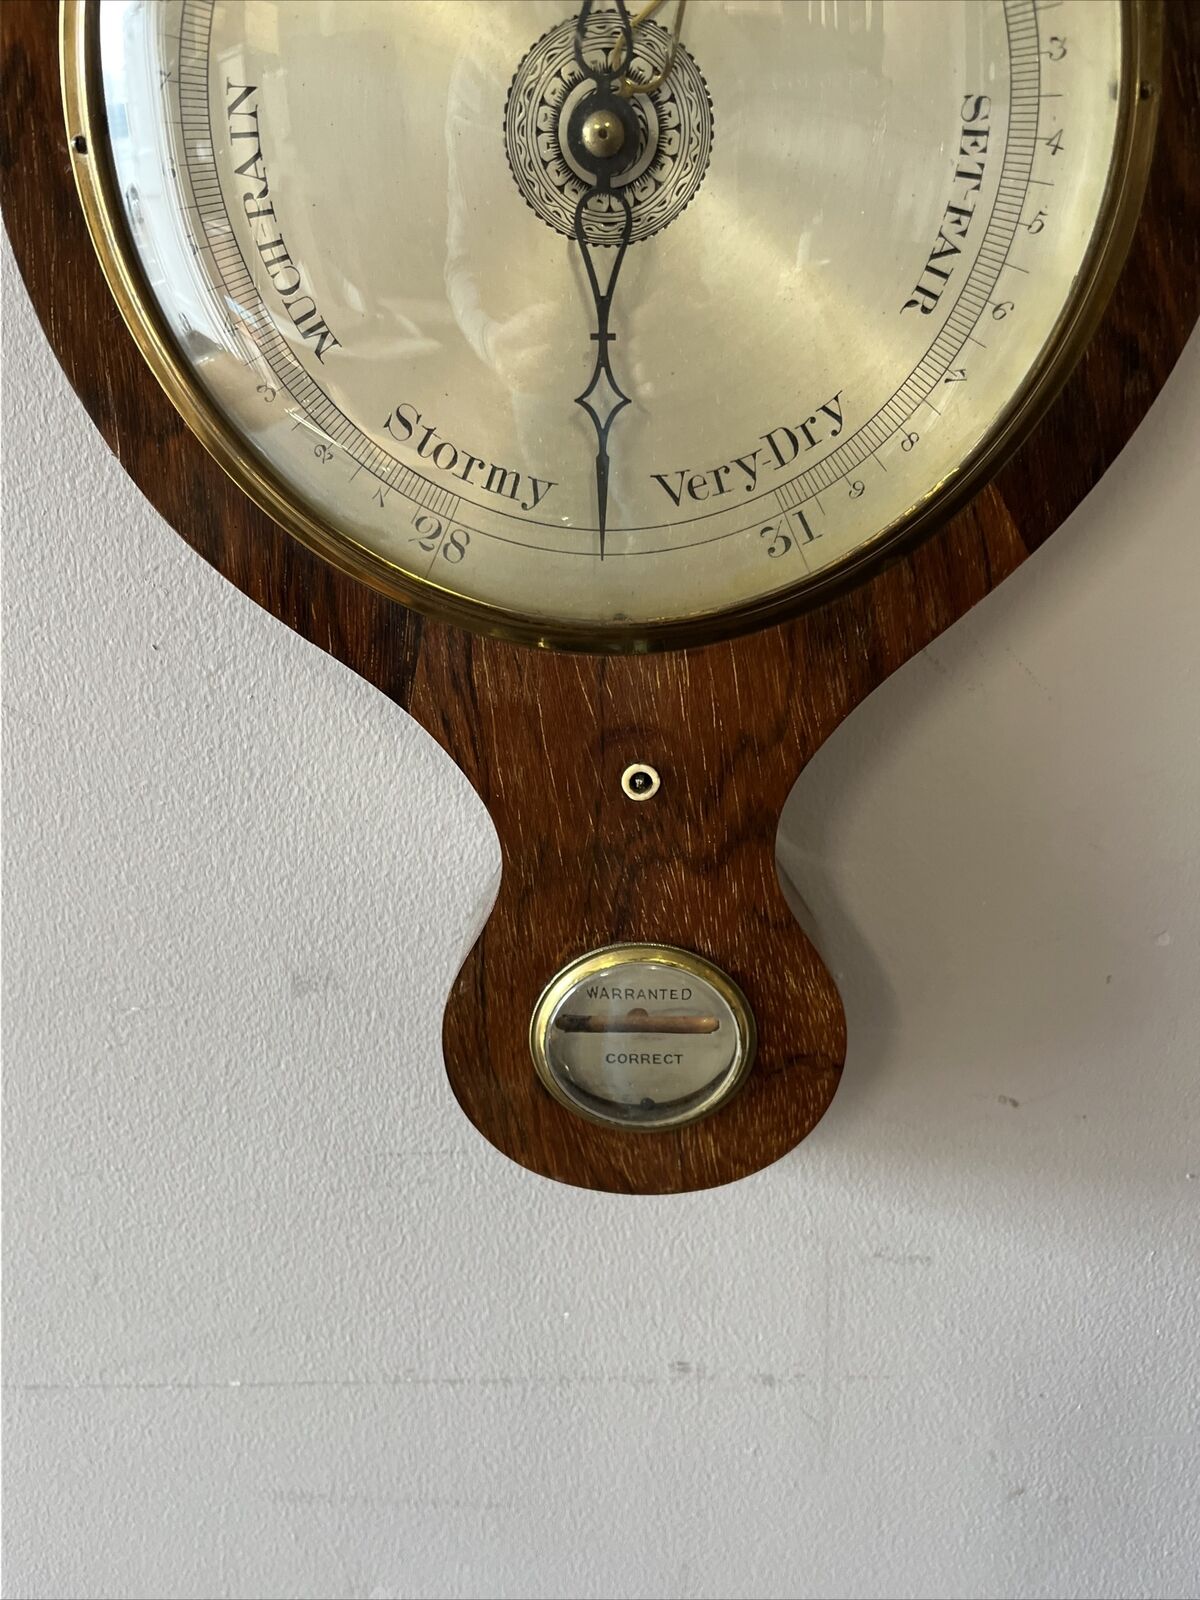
(646, 11)
(630, 86)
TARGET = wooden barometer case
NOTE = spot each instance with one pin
(624, 393)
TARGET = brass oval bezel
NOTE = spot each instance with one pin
(87, 144)
(608, 959)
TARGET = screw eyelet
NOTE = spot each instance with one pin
(640, 782)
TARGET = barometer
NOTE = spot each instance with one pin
(625, 391)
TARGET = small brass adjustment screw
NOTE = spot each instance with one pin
(640, 781)
(602, 134)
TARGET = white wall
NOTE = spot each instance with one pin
(281, 1323)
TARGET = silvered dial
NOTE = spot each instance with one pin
(850, 241)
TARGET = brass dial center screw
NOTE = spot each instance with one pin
(602, 134)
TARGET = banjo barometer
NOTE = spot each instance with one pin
(625, 392)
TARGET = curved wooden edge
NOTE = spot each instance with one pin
(585, 866)
(545, 739)
(542, 736)
(374, 636)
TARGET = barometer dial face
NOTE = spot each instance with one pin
(471, 305)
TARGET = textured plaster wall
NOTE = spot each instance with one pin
(280, 1323)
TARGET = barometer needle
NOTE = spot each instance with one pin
(615, 400)
(601, 134)
(605, 139)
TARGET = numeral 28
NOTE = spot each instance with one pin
(450, 543)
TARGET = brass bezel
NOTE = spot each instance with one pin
(607, 959)
(84, 114)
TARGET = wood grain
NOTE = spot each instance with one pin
(545, 737)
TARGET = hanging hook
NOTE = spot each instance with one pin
(628, 87)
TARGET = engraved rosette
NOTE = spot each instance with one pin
(676, 125)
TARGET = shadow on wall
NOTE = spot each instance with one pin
(980, 852)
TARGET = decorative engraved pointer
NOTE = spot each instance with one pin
(604, 137)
